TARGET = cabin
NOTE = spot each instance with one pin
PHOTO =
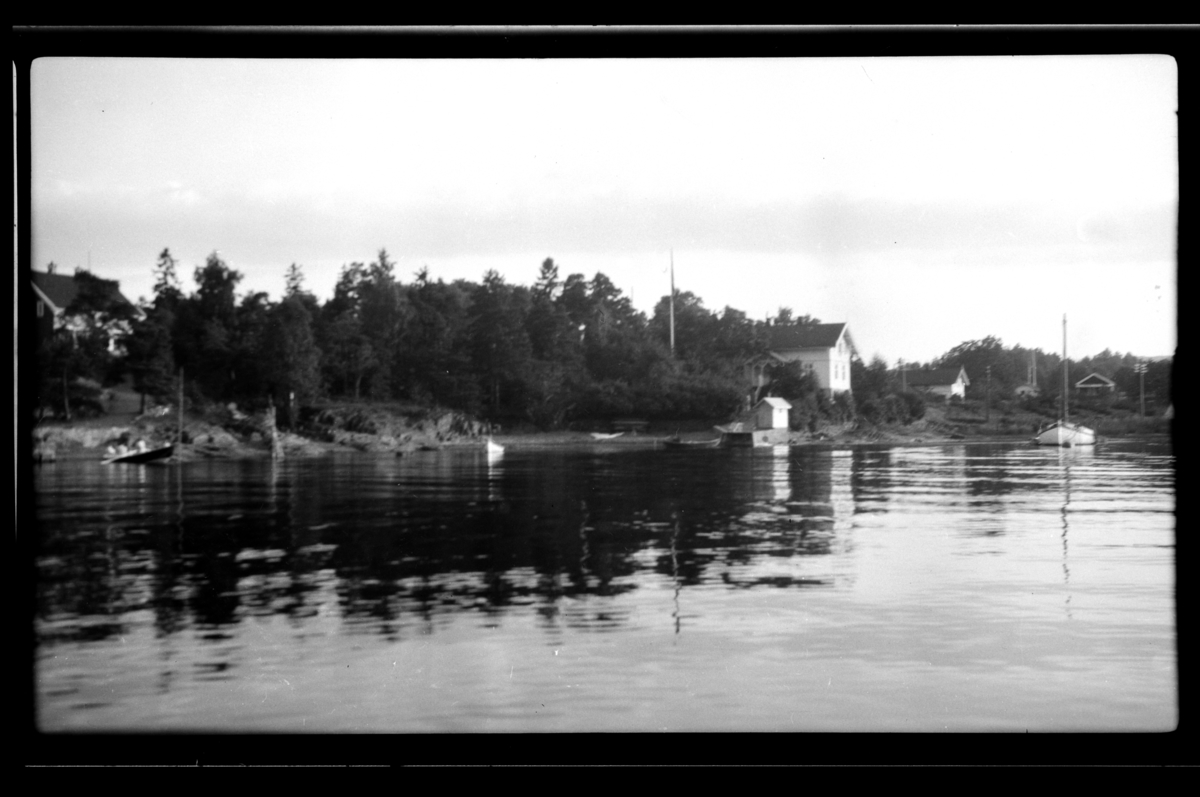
(772, 413)
(1094, 385)
(944, 382)
(824, 350)
(53, 294)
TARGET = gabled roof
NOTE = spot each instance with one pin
(776, 403)
(1095, 380)
(60, 289)
(815, 336)
(936, 378)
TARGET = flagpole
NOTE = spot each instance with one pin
(672, 302)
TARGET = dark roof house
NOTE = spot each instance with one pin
(825, 350)
(1095, 383)
(54, 293)
(815, 336)
(943, 381)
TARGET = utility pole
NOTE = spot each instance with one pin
(672, 302)
(987, 406)
(903, 378)
(1140, 369)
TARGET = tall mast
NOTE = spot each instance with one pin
(672, 302)
(1064, 391)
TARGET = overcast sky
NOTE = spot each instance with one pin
(926, 201)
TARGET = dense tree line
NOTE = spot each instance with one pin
(561, 350)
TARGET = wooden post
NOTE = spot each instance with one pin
(181, 406)
(272, 433)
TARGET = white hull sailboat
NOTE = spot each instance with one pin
(1062, 432)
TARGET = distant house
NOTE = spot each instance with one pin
(53, 294)
(824, 350)
(944, 382)
(1028, 389)
(1094, 384)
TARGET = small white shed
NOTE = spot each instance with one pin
(772, 413)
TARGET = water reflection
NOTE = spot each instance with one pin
(428, 535)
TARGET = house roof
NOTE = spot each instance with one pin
(1095, 380)
(60, 290)
(815, 336)
(935, 378)
(776, 403)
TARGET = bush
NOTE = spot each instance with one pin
(914, 405)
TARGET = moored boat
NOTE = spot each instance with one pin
(675, 442)
(139, 457)
(1062, 432)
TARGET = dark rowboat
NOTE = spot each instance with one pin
(675, 442)
(138, 457)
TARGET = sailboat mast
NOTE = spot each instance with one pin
(672, 302)
(1065, 369)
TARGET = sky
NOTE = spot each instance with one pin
(924, 201)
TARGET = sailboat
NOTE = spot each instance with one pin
(1062, 432)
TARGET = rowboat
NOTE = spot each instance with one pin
(1062, 432)
(675, 442)
(139, 457)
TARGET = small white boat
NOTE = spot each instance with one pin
(494, 449)
(605, 436)
(1062, 432)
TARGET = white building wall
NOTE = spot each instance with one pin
(831, 368)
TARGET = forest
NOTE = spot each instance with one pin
(560, 352)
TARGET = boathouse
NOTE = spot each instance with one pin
(772, 413)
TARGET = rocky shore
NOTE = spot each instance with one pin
(228, 433)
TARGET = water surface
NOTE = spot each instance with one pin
(612, 588)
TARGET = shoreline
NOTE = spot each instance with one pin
(205, 440)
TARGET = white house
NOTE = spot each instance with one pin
(824, 350)
(771, 413)
(944, 382)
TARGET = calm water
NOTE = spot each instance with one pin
(610, 588)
